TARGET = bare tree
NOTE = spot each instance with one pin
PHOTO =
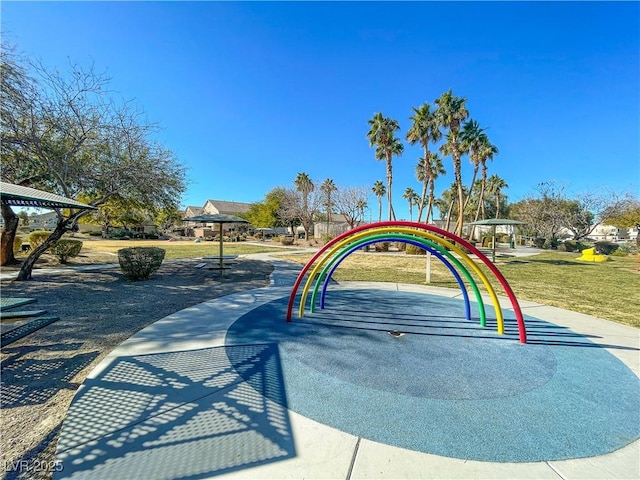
(81, 144)
(349, 203)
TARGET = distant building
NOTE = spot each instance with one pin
(44, 221)
(211, 207)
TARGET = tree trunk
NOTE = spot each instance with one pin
(423, 198)
(431, 199)
(449, 215)
(8, 236)
(458, 178)
(27, 266)
(392, 215)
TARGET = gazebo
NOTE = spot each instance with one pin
(220, 219)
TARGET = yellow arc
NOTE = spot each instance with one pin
(411, 231)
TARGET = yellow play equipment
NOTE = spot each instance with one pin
(590, 255)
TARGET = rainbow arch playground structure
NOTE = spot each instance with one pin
(433, 239)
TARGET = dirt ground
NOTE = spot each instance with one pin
(98, 310)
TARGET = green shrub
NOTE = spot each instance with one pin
(606, 248)
(17, 244)
(95, 234)
(326, 238)
(381, 246)
(138, 263)
(65, 249)
(538, 242)
(37, 238)
(625, 249)
(285, 240)
(571, 245)
(401, 246)
(619, 253)
(414, 250)
(504, 238)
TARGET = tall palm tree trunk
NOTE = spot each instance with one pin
(449, 212)
(423, 198)
(458, 179)
(392, 215)
(431, 200)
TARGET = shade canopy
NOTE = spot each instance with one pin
(494, 222)
(17, 196)
(217, 218)
(497, 221)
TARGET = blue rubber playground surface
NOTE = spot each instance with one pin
(407, 369)
(388, 381)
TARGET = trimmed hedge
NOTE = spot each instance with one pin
(606, 248)
(65, 249)
(381, 246)
(37, 238)
(138, 263)
(574, 246)
(17, 244)
(414, 250)
(284, 240)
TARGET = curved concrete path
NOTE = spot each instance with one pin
(172, 402)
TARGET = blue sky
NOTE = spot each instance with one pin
(249, 94)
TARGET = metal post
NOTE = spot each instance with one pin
(428, 279)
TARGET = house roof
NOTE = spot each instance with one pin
(17, 195)
(228, 207)
(193, 211)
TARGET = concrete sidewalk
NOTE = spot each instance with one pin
(176, 400)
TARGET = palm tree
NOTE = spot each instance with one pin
(328, 187)
(451, 111)
(495, 184)
(487, 151)
(381, 134)
(447, 202)
(361, 206)
(305, 186)
(425, 129)
(379, 190)
(471, 139)
(412, 197)
(437, 169)
(422, 177)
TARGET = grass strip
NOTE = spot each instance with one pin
(606, 290)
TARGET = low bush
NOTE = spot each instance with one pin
(538, 242)
(326, 238)
(606, 248)
(574, 246)
(414, 250)
(65, 249)
(625, 249)
(381, 246)
(95, 234)
(401, 246)
(138, 263)
(37, 238)
(284, 240)
(17, 244)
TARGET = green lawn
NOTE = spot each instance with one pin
(179, 249)
(608, 290)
